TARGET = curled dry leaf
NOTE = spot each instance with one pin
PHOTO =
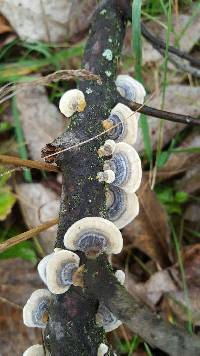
(39, 204)
(4, 25)
(14, 336)
(182, 161)
(185, 307)
(48, 20)
(149, 231)
(153, 290)
(41, 120)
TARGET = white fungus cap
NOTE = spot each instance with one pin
(71, 101)
(120, 275)
(102, 350)
(122, 207)
(35, 350)
(94, 235)
(106, 319)
(124, 122)
(107, 176)
(59, 271)
(36, 308)
(126, 165)
(130, 88)
(107, 149)
(42, 267)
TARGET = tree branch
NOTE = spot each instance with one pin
(158, 333)
(161, 114)
(71, 328)
(27, 235)
(158, 43)
(15, 161)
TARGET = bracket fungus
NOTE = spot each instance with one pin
(104, 317)
(42, 267)
(35, 311)
(107, 149)
(102, 350)
(35, 350)
(126, 165)
(71, 101)
(120, 275)
(60, 269)
(122, 207)
(130, 88)
(94, 235)
(124, 122)
(107, 176)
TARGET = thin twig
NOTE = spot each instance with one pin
(10, 89)
(15, 161)
(158, 43)
(27, 235)
(165, 115)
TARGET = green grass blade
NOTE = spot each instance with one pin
(137, 49)
(183, 277)
(148, 351)
(20, 139)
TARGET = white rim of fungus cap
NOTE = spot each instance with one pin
(41, 267)
(35, 350)
(129, 121)
(126, 81)
(94, 226)
(102, 350)
(128, 210)
(133, 180)
(39, 298)
(120, 275)
(106, 319)
(71, 101)
(55, 266)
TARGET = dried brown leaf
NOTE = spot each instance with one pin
(39, 204)
(182, 161)
(149, 232)
(40, 119)
(18, 281)
(50, 21)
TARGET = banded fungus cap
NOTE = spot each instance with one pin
(35, 350)
(122, 207)
(130, 88)
(102, 350)
(106, 319)
(71, 101)
(35, 311)
(124, 122)
(60, 269)
(94, 235)
(126, 165)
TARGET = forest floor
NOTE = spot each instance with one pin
(161, 255)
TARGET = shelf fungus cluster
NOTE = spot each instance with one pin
(122, 123)
(95, 235)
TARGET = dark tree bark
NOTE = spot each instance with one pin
(71, 328)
